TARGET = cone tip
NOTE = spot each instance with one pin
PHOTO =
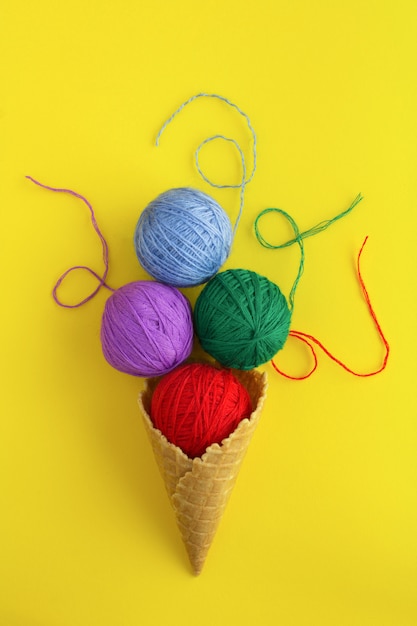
(197, 567)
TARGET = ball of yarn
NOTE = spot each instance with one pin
(183, 237)
(241, 318)
(146, 329)
(197, 405)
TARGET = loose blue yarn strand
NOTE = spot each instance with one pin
(243, 184)
(245, 181)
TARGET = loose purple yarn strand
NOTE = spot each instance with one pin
(101, 279)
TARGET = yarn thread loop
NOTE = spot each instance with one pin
(311, 341)
(245, 179)
(298, 236)
(101, 279)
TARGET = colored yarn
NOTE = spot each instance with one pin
(214, 248)
(244, 180)
(101, 279)
(310, 341)
(183, 237)
(298, 236)
(197, 405)
(314, 230)
(241, 318)
(146, 329)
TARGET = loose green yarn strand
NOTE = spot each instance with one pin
(299, 236)
(297, 239)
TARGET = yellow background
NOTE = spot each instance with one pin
(321, 528)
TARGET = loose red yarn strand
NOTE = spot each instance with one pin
(306, 338)
(313, 369)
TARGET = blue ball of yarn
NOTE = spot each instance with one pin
(183, 237)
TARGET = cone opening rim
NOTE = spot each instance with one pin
(242, 375)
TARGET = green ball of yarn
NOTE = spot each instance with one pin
(241, 319)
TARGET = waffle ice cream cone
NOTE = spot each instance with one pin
(199, 488)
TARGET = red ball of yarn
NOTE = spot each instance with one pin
(198, 404)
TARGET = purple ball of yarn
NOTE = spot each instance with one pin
(146, 329)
